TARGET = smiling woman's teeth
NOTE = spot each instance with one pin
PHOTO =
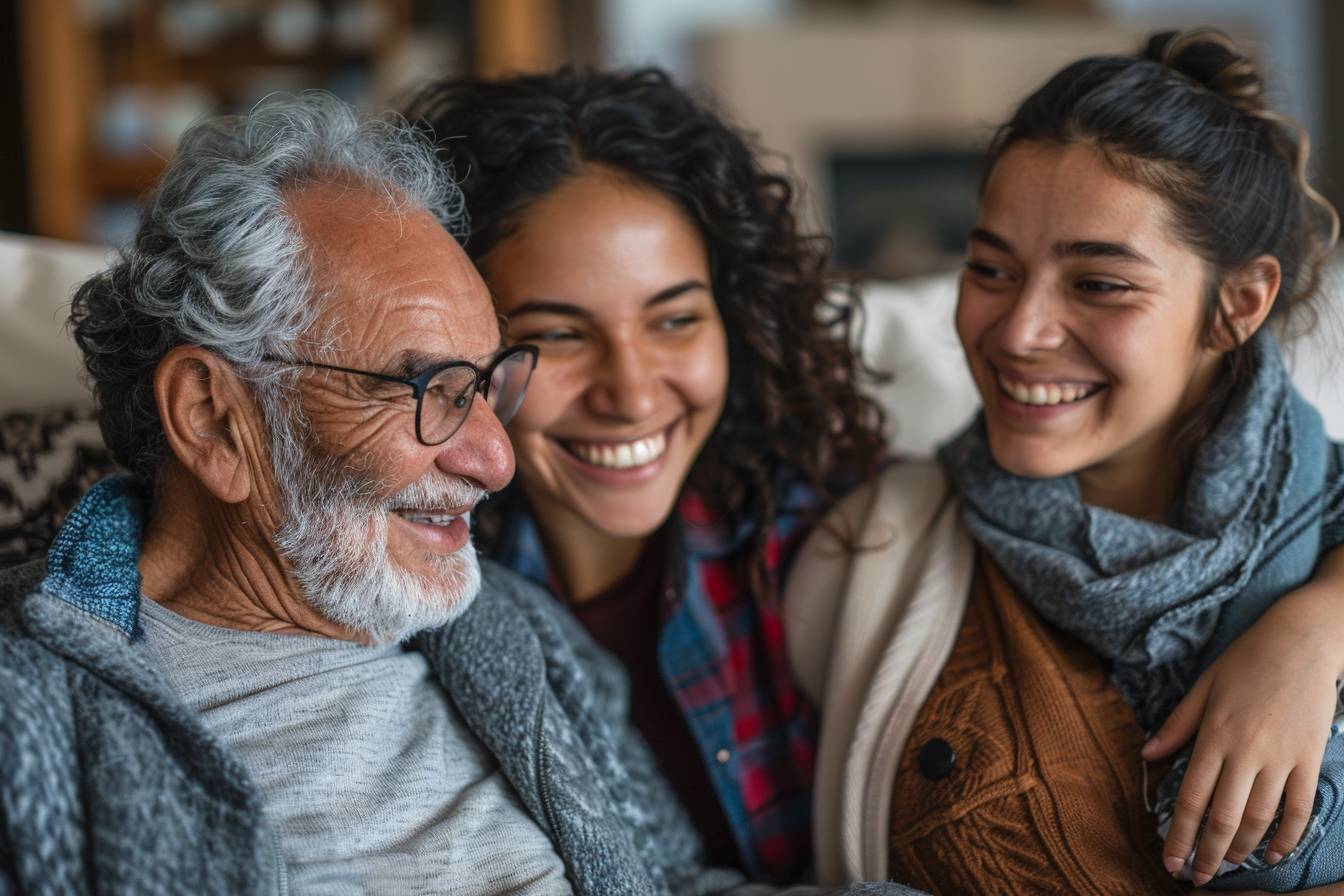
(620, 455)
(1042, 393)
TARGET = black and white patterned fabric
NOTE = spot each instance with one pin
(48, 459)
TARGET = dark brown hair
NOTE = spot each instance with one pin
(794, 408)
(1187, 118)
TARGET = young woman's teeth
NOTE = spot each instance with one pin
(432, 519)
(1042, 393)
(621, 455)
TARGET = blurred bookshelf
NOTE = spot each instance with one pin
(108, 86)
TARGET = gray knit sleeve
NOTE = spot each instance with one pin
(7, 886)
(680, 861)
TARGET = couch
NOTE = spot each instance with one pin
(50, 449)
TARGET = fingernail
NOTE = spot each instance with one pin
(1201, 878)
(1273, 857)
(1172, 864)
(1149, 745)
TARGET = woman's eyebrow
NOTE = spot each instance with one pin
(1101, 249)
(677, 289)
(1074, 248)
(546, 306)
(549, 306)
(989, 238)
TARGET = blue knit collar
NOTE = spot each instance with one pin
(93, 564)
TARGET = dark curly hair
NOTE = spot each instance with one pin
(794, 408)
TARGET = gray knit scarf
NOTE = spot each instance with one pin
(1262, 501)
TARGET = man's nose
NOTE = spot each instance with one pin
(479, 450)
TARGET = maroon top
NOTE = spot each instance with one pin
(625, 620)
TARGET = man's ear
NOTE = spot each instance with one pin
(207, 416)
(1245, 300)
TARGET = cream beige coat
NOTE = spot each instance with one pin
(872, 608)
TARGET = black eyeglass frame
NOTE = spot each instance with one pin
(420, 382)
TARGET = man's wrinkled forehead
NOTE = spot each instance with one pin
(343, 221)
(390, 275)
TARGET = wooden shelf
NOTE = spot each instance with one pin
(94, 89)
(125, 177)
(120, 79)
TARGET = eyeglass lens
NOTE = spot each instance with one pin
(447, 398)
(508, 384)
(445, 404)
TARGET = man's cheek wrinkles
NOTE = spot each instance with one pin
(376, 434)
(332, 417)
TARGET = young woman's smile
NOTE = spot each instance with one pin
(611, 280)
(617, 460)
(1029, 396)
(1081, 316)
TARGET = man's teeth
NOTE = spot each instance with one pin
(1043, 393)
(433, 519)
(621, 455)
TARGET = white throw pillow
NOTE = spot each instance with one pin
(908, 334)
(39, 365)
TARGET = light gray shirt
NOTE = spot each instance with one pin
(368, 773)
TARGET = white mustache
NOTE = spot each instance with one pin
(436, 493)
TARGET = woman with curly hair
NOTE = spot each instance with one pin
(694, 411)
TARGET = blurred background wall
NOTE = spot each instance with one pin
(879, 107)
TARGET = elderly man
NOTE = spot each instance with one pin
(211, 685)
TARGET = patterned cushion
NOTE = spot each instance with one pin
(48, 458)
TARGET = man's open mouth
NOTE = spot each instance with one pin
(427, 517)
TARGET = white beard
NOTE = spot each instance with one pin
(334, 537)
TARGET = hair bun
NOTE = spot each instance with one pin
(1211, 59)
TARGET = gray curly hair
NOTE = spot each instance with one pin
(218, 262)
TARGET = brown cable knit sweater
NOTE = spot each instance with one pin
(1022, 773)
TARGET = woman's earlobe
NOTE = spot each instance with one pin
(197, 394)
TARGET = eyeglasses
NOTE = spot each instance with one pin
(443, 393)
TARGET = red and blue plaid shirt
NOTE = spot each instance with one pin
(722, 656)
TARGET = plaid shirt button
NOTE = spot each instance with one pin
(723, 756)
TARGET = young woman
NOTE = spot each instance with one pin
(1142, 485)
(696, 405)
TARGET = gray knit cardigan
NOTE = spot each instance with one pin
(110, 784)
